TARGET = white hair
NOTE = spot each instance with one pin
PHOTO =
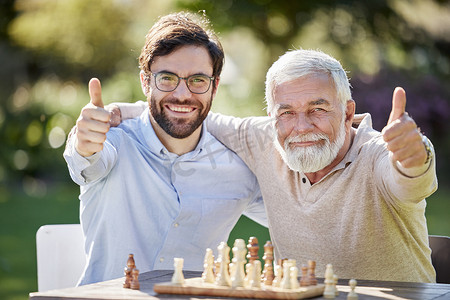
(299, 63)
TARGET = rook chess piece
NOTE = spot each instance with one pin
(134, 284)
(312, 272)
(304, 278)
(352, 295)
(178, 277)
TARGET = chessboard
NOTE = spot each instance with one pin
(196, 287)
(243, 277)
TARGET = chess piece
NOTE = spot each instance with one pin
(329, 292)
(255, 281)
(208, 267)
(126, 283)
(127, 271)
(237, 272)
(335, 281)
(249, 273)
(304, 281)
(178, 277)
(286, 280)
(312, 272)
(253, 248)
(267, 275)
(278, 276)
(130, 261)
(134, 284)
(294, 280)
(223, 278)
(352, 295)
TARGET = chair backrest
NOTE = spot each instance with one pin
(440, 257)
(60, 256)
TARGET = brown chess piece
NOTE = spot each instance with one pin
(253, 248)
(127, 271)
(304, 281)
(134, 284)
(267, 275)
(312, 272)
(126, 283)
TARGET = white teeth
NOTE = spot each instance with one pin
(180, 109)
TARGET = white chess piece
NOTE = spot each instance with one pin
(208, 267)
(255, 281)
(223, 278)
(352, 295)
(237, 272)
(295, 284)
(178, 277)
(329, 292)
(278, 271)
(249, 274)
(335, 281)
(286, 280)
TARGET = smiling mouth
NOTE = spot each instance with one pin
(180, 109)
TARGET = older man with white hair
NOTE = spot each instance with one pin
(336, 190)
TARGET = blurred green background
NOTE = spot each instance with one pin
(50, 49)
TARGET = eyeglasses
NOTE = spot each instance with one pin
(168, 82)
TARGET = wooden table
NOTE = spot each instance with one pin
(366, 289)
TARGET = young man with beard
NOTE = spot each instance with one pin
(160, 185)
(336, 190)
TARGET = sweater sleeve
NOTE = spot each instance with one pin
(247, 137)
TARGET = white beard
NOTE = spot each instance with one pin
(312, 158)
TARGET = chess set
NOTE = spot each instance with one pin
(243, 277)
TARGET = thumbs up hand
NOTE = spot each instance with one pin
(93, 122)
(402, 136)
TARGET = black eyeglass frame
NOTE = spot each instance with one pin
(186, 79)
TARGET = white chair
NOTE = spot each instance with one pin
(60, 256)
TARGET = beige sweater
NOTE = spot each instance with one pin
(364, 217)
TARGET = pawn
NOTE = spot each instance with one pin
(329, 292)
(134, 284)
(278, 271)
(335, 281)
(178, 277)
(304, 278)
(352, 295)
(255, 281)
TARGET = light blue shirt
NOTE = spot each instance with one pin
(136, 197)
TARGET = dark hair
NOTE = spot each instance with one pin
(175, 30)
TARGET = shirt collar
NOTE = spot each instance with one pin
(155, 145)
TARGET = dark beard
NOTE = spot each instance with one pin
(178, 128)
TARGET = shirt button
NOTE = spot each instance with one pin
(304, 180)
(161, 259)
(176, 225)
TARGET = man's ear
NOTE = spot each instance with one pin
(215, 87)
(145, 83)
(350, 110)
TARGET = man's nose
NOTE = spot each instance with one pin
(303, 123)
(182, 91)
